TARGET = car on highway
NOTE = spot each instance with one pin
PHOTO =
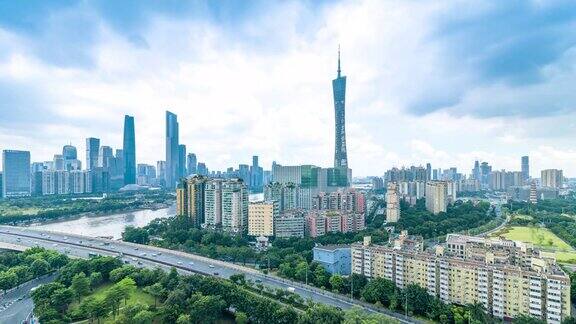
(258, 280)
(134, 259)
(291, 289)
(191, 263)
(179, 262)
(211, 266)
(216, 274)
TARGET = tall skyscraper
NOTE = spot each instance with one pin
(172, 150)
(92, 151)
(339, 89)
(16, 173)
(428, 171)
(392, 203)
(69, 152)
(525, 167)
(129, 150)
(552, 178)
(192, 162)
(105, 156)
(181, 161)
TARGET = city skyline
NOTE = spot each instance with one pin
(425, 99)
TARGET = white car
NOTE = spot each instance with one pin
(211, 266)
(179, 262)
(191, 263)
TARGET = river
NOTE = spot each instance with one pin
(105, 225)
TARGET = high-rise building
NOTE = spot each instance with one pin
(533, 193)
(190, 199)
(213, 203)
(129, 150)
(161, 172)
(105, 157)
(289, 224)
(1, 186)
(192, 163)
(261, 218)
(339, 91)
(58, 162)
(69, 152)
(172, 150)
(181, 161)
(92, 152)
(552, 178)
(428, 172)
(234, 206)
(392, 203)
(16, 173)
(436, 196)
(525, 167)
(202, 169)
(256, 175)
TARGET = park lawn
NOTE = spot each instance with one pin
(137, 296)
(10, 211)
(566, 257)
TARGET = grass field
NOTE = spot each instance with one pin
(540, 237)
(520, 216)
(137, 296)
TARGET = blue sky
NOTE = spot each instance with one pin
(428, 81)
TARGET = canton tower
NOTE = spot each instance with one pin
(339, 89)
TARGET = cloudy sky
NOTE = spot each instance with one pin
(428, 81)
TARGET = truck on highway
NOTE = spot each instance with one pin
(291, 289)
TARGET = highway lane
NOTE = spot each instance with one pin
(151, 257)
(16, 304)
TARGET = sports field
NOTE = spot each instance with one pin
(540, 237)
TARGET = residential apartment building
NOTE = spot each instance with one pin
(509, 278)
(392, 203)
(319, 223)
(436, 196)
(552, 178)
(289, 224)
(261, 218)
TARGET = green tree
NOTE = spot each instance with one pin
(8, 280)
(144, 317)
(379, 290)
(113, 297)
(120, 273)
(320, 313)
(337, 283)
(206, 308)
(61, 298)
(126, 286)
(477, 313)
(184, 319)
(135, 235)
(95, 279)
(80, 285)
(39, 267)
(156, 290)
(321, 277)
(241, 318)
(526, 319)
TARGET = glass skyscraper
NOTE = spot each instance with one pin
(16, 175)
(339, 89)
(172, 150)
(129, 151)
(525, 167)
(181, 161)
(92, 150)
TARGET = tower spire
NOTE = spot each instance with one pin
(339, 60)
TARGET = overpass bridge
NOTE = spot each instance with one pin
(20, 238)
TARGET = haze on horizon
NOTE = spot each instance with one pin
(441, 82)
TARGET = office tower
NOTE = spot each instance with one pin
(339, 90)
(146, 174)
(428, 172)
(256, 174)
(16, 173)
(192, 162)
(92, 152)
(434, 174)
(202, 169)
(526, 167)
(498, 180)
(213, 203)
(234, 206)
(172, 150)
(181, 160)
(105, 156)
(476, 173)
(508, 278)
(261, 218)
(161, 172)
(1, 186)
(552, 178)
(99, 180)
(244, 173)
(392, 203)
(436, 196)
(69, 152)
(58, 162)
(129, 150)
